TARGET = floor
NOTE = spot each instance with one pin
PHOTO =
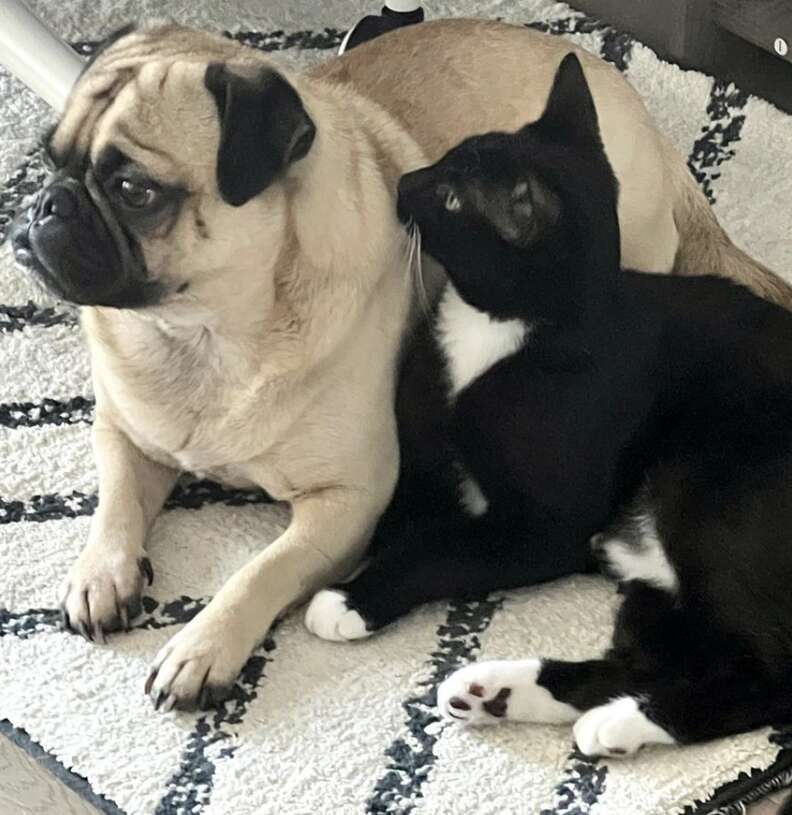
(28, 789)
(769, 806)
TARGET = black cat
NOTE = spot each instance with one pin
(580, 398)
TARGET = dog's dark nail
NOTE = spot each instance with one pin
(476, 690)
(458, 704)
(87, 627)
(144, 564)
(204, 693)
(159, 700)
(149, 682)
(65, 614)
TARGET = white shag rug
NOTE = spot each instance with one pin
(317, 727)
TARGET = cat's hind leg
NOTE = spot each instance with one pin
(614, 714)
(529, 690)
(684, 710)
(693, 680)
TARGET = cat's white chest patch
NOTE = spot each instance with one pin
(471, 341)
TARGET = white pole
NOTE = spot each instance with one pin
(36, 55)
(402, 6)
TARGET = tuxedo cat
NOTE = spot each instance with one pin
(556, 396)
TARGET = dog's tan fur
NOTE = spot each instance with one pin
(458, 77)
(276, 366)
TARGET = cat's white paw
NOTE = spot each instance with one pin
(329, 618)
(617, 729)
(500, 690)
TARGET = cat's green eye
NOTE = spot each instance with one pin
(452, 202)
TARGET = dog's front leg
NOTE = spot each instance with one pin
(102, 590)
(327, 534)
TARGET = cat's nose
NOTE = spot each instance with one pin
(411, 187)
(413, 182)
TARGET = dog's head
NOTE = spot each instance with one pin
(168, 165)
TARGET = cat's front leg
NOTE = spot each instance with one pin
(438, 560)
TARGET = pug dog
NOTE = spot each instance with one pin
(229, 230)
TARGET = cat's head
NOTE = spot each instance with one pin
(514, 216)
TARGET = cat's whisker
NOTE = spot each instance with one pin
(416, 267)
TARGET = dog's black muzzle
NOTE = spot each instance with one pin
(71, 239)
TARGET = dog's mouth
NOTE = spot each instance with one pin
(20, 242)
(18, 235)
(25, 255)
(76, 248)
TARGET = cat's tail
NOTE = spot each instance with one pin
(704, 247)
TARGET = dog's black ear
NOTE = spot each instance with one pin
(570, 106)
(263, 128)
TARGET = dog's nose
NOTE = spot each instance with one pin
(59, 201)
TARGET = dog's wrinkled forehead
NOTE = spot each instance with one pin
(145, 89)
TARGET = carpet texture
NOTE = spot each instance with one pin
(317, 727)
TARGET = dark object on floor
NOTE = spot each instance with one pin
(735, 40)
(376, 24)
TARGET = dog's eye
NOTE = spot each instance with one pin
(452, 202)
(137, 195)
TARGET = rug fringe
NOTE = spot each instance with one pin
(740, 807)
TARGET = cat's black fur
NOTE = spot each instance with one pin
(673, 391)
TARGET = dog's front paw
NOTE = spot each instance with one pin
(618, 728)
(198, 666)
(329, 617)
(500, 690)
(102, 591)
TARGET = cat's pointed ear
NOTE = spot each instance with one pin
(570, 106)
